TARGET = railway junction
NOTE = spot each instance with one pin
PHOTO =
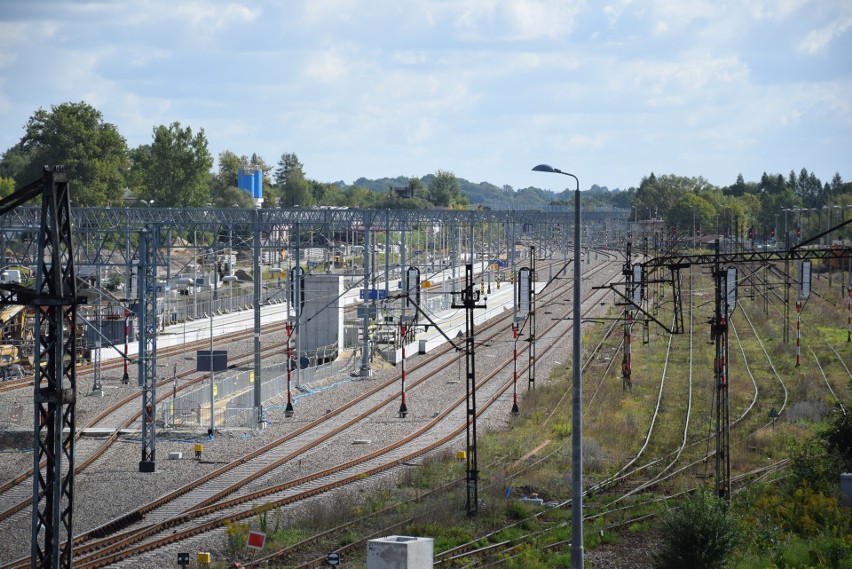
(313, 308)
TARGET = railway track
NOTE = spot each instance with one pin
(16, 494)
(739, 481)
(221, 493)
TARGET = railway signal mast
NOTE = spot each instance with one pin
(524, 309)
(288, 411)
(726, 301)
(531, 287)
(804, 293)
(469, 298)
(410, 297)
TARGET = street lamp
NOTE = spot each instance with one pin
(230, 280)
(576, 407)
(148, 203)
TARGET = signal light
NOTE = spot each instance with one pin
(772, 232)
(698, 232)
(798, 232)
(751, 232)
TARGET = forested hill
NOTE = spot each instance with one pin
(482, 193)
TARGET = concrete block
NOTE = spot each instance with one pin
(846, 489)
(175, 455)
(400, 552)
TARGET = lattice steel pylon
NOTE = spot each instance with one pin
(149, 246)
(54, 389)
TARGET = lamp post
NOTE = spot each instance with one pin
(183, 286)
(692, 207)
(576, 406)
(786, 240)
(230, 280)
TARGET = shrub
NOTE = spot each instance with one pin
(701, 534)
(804, 512)
(811, 464)
(838, 438)
(237, 533)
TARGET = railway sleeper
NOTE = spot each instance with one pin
(117, 525)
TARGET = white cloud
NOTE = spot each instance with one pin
(535, 19)
(319, 12)
(515, 20)
(817, 41)
(327, 66)
(382, 87)
(776, 10)
(613, 12)
(208, 18)
(680, 13)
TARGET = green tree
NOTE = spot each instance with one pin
(731, 216)
(13, 162)
(229, 166)
(7, 186)
(75, 135)
(692, 208)
(656, 196)
(836, 184)
(738, 188)
(173, 170)
(444, 190)
(326, 193)
(701, 534)
(292, 185)
(359, 197)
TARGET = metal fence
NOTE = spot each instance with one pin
(233, 395)
(228, 298)
(11, 414)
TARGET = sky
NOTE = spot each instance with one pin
(609, 90)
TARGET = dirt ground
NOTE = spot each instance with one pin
(633, 551)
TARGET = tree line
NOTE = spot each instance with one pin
(176, 170)
(766, 208)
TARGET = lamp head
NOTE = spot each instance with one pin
(545, 168)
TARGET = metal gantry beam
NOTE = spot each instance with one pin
(100, 230)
